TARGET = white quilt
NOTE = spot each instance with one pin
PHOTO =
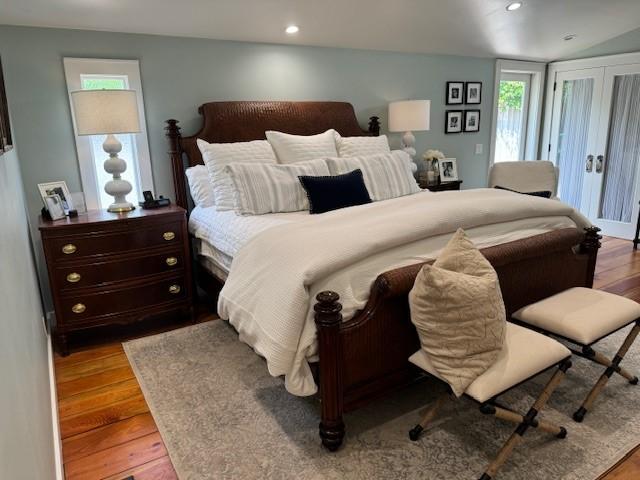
(268, 296)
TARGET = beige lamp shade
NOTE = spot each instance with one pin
(105, 111)
(409, 115)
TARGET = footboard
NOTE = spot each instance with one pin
(365, 357)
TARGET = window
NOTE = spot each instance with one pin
(93, 74)
(517, 109)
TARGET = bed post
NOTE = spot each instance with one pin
(328, 319)
(374, 126)
(177, 164)
(590, 246)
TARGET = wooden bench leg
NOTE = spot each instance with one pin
(428, 417)
(600, 358)
(579, 414)
(528, 420)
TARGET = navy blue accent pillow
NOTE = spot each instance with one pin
(542, 193)
(333, 192)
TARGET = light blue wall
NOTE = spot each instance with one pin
(625, 43)
(179, 74)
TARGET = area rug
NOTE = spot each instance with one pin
(223, 417)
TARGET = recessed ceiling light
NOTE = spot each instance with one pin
(291, 29)
(513, 6)
(569, 37)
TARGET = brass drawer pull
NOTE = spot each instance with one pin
(73, 277)
(168, 236)
(171, 261)
(69, 248)
(174, 289)
(78, 308)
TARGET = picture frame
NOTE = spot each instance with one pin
(455, 93)
(473, 93)
(53, 204)
(448, 168)
(471, 120)
(453, 121)
(57, 188)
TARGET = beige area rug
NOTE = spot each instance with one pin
(223, 417)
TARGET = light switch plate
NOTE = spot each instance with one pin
(478, 149)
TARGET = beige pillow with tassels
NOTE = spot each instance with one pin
(457, 308)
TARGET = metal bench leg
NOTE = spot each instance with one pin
(579, 414)
(529, 420)
(428, 416)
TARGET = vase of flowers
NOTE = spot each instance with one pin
(431, 173)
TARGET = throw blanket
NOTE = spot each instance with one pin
(267, 294)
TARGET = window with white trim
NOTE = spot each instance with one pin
(95, 74)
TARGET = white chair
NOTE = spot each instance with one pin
(525, 176)
(524, 355)
(583, 317)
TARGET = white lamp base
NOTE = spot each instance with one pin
(408, 146)
(118, 187)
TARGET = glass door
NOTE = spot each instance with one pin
(615, 192)
(576, 107)
(511, 125)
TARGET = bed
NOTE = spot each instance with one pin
(358, 359)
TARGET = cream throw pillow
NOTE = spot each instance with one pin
(457, 307)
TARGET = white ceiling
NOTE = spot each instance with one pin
(457, 27)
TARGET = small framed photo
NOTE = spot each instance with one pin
(448, 169)
(57, 188)
(53, 203)
(455, 93)
(473, 93)
(453, 121)
(472, 120)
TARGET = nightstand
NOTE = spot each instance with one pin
(117, 268)
(440, 187)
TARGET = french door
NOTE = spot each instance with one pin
(595, 143)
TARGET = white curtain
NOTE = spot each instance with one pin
(572, 138)
(623, 150)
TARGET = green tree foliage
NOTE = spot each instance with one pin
(511, 93)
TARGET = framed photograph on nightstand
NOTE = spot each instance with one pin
(448, 168)
(453, 121)
(472, 120)
(57, 188)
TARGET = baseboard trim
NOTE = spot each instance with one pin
(57, 441)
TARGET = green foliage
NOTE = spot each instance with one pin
(511, 93)
(102, 83)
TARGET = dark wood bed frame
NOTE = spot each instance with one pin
(366, 356)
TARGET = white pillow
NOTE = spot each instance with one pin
(200, 186)
(386, 175)
(263, 188)
(302, 148)
(217, 155)
(358, 146)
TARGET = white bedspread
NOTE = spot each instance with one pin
(268, 295)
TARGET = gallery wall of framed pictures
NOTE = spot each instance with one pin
(5, 128)
(463, 93)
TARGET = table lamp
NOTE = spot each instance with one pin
(99, 112)
(409, 116)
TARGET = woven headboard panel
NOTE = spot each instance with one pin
(225, 122)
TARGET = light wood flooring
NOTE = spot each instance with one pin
(108, 432)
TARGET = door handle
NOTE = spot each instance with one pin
(599, 163)
(589, 163)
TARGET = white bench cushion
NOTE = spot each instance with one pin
(580, 314)
(524, 354)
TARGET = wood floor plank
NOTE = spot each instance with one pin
(159, 469)
(95, 381)
(102, 416)
(111, 435)
(90, 367)
(99, 397)
(118, 459)
(89, 354)
(627, 469)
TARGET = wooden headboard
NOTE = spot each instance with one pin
(225, 122)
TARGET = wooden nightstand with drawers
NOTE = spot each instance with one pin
(117, 268)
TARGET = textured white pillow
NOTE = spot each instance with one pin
(386, 175)
(218, 155)
(302, 148)
(200, 186)
(457, 307)
(359, 146)
(263, 188)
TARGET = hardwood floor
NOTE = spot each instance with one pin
(109, 433)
